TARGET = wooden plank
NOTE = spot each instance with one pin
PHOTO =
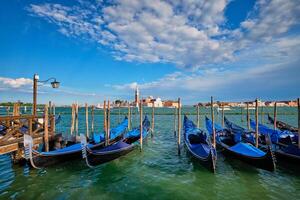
(9, 148)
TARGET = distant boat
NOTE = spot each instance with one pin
(225, 108)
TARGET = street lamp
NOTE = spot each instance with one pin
(54, 84)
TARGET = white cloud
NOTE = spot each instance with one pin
(182, 32)
(8, 83)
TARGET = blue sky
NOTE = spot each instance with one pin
(234, 50)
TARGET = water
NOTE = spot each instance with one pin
(155, 173)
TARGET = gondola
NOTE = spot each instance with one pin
(284, 142)
(233, 146)
(116, 150)
(73, 151)
(199, 145)
(283, 126)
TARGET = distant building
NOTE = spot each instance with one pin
(150, 101)
(170, 103)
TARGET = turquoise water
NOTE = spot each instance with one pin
(155, 173)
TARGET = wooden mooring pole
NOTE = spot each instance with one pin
(141, 126)
(248, 116)
(213, 121)
(175, 116)
(179, 125)
(256, 120)
(275, 115)
(87, 120)
(93, 118)
(298, 102)
(152, 124)
(129, 117)
(223, 115)
(105, 122)
(72, 119)
(46, 133)
(242, 114)
(76, 118)
(119, 119)
(198, 116)
(108, 121)
(262, 114)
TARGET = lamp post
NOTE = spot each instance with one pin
(54, 84)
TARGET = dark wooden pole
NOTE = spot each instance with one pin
(105, 122)
(175, 116)
(262, 114)
(179, 124)
(141, 125)
(198, 116)
(119, 119)
(152, 119)
(76, 106)
(129, 117)
(298, 101)
(213, 119)
(108, 121)
(275, 115)
(256, 120)
(87, 120)
(248, 116)
(46, 133)
(93, 118)
(223, 115)
(242, 114)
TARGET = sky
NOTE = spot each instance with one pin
(234, 50)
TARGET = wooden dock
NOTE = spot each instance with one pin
(14, 128)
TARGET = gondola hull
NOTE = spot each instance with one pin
(41, 160)
(97, 159)
(266, 162)
(208, 162)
